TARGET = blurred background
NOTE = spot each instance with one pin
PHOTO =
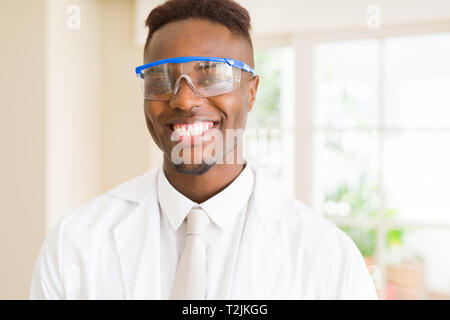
(357, 91)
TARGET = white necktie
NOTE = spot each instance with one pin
(190, 279)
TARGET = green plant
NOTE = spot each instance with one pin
(266, 111)
(360, 200)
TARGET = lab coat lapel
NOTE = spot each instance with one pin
(261, 254)
(260, 257)
(137, 239)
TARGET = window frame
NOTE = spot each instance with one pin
(304, 45)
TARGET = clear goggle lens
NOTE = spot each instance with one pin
(206, 78)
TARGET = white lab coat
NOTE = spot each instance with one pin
(109, 248)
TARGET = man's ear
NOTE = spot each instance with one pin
(252, 89)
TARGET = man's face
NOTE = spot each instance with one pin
(195, 37)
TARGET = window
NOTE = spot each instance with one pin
(270, 124)
(381, 148)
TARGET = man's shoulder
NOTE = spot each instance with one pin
(300, 222)
(309, 227)
(316, 230)
(105, 211)
(276, 203)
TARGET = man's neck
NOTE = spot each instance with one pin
(200, 188)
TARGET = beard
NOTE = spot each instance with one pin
(201, 168)
(196, 170)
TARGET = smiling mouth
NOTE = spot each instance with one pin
(192, 129)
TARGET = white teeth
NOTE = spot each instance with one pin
(192, 129)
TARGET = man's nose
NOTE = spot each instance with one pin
(185, 98)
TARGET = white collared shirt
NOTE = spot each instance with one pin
(227, 211)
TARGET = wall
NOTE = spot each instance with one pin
(97, 137)
(128, 147)
(74, 113)
(22, 141)
(72, 120)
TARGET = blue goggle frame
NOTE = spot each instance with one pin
(232, 62)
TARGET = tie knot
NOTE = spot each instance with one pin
(197, 221)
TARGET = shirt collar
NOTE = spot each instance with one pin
(222, 208)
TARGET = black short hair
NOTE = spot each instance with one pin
(226, 12)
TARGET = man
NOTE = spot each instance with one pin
(198, 227)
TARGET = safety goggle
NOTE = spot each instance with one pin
(207, 76)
